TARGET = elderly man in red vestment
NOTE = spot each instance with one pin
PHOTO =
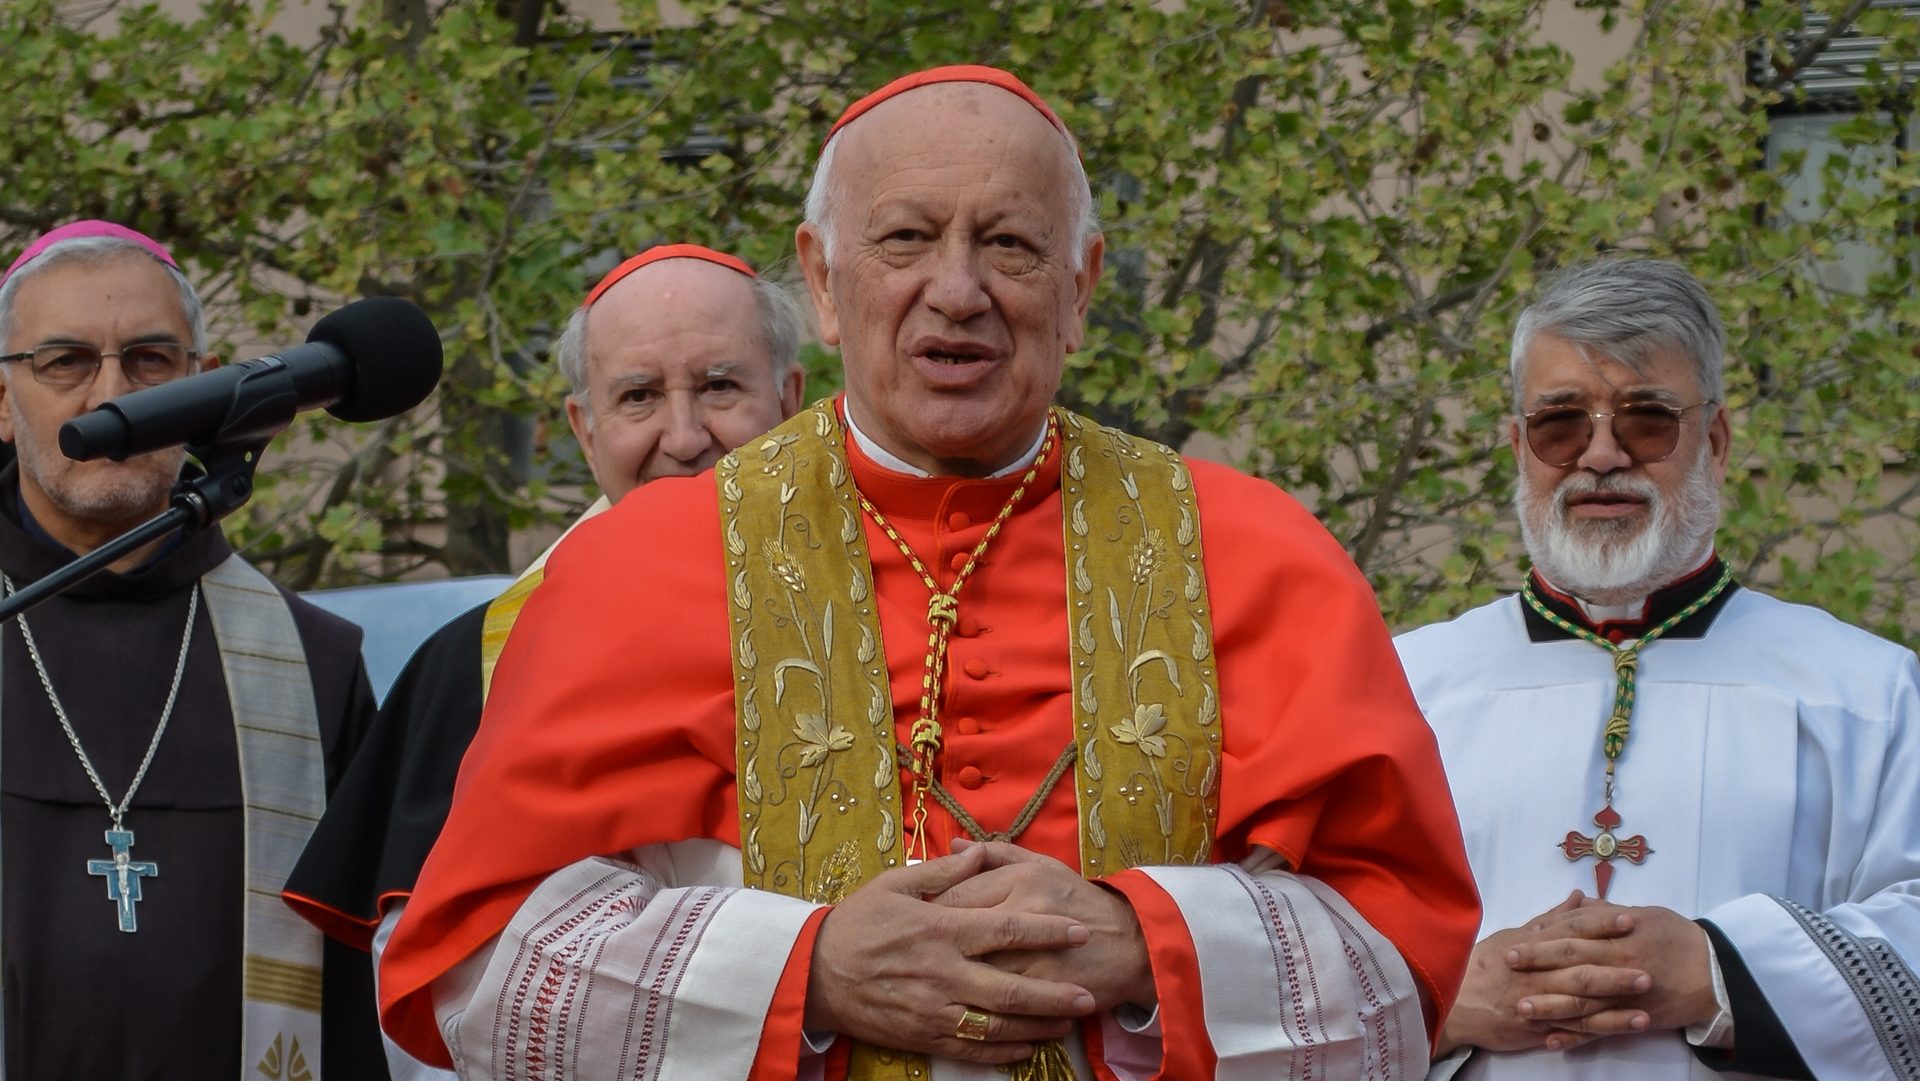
(942, 733)
(691, 353)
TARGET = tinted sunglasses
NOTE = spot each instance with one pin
(1648, 431)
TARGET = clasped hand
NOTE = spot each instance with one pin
(1579, 971)
(992, 927)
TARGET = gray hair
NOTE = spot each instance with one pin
(823, 201)
(782, 326)
(1625, 310)
(94, 250)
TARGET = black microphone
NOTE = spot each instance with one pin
(374, 358)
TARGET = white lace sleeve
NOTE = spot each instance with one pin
(607, 971)
(1294, 982)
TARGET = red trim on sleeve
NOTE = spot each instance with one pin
(778, 1057)
(332, 922)
(381, 902)
(1093, 1035)
(1185, 1049)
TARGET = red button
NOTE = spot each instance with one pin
(969, 627)
(959, 560)
(975, 667)
(958, 520)
(969, 777)
(967, 726)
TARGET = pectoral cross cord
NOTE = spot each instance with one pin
(1606, 845)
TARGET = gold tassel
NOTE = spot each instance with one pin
(1049, 1063)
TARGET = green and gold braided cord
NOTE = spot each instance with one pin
(1626, 658)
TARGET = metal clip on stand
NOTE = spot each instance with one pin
(221, 486)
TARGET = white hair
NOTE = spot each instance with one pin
(1624, 310)
(94, 250)
(782, 328)
(824, 198)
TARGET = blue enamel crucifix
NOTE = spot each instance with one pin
(123, 874)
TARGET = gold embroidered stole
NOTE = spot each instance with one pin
(818, 781)
(1146, 706)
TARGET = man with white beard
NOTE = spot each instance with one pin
(1691, 808)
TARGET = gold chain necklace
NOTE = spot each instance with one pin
(943, 609)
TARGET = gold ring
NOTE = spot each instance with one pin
(973, 1025)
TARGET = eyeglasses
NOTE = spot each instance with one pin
(71, 366)
(1648, 431)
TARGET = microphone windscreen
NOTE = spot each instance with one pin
(395, 351)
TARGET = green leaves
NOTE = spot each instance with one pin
(1321, 219)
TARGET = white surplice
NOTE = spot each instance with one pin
(1774, 769)
(662, 967)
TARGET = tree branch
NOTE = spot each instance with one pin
(1812, 47)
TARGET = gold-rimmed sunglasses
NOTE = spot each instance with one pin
(1648, 431)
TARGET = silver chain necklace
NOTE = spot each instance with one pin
(123, 873)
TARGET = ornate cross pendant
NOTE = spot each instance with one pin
(123, 874)
(1604, 847)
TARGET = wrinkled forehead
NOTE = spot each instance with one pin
(1558, 370)
(679, 314)
(954, 123)
(955, 135)
(86, 287)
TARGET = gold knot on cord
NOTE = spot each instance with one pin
(1613, 739)
(926, 736)
(943, 608)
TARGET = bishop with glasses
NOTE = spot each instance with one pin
(178, 704)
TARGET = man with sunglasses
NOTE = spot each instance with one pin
(173, 725)
(1691, 808)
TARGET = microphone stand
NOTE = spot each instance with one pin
(222, 486)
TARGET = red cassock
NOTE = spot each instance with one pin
(611, 724)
